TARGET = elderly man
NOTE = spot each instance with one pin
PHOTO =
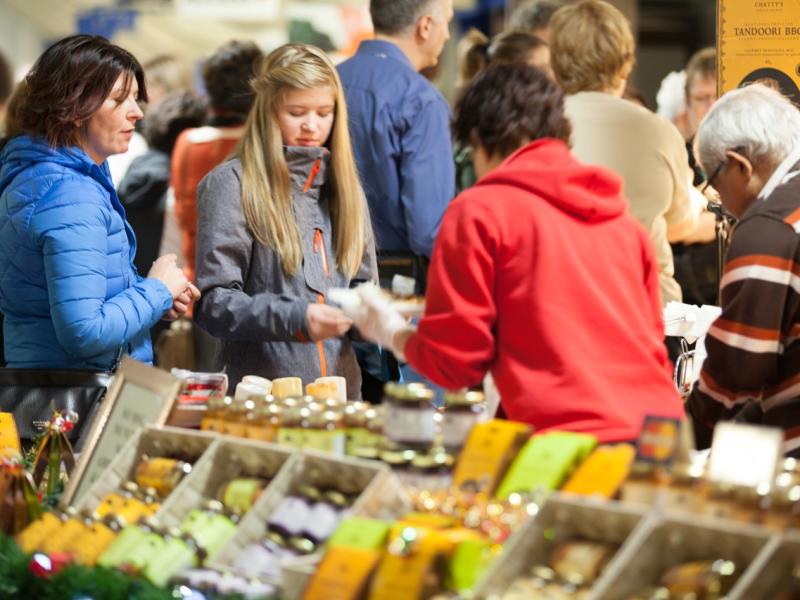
(749, 143)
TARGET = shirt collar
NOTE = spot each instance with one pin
(384, 49)
(781, 174)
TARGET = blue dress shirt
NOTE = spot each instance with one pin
(400, 127)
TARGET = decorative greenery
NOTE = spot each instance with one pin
(73, 582)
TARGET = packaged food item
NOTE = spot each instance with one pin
(324, 517)
(180, 551)
(161, 473)
(603, 473)
(325, 431)
(581, 562)
(686, 489)
(251, 391)
(643, 484)
(31, 538)
(137, 551)
(210, 526)
(238, 495)
(410, 415)
(237, 417)
(287, 387)
(340, 385)
(462, 411)
(705, 579)
(99, 535)
(264, 422)
(293, 512)
(76, 525)
(130, 537)
(214, 417)
(294, 420)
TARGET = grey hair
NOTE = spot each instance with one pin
(392, 17)
(534, 15)
(761, 121)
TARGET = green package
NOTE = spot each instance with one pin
(545, 462)
(360, 532)
(471, 559)
(211, 530)
(172, 558)
(115, 554)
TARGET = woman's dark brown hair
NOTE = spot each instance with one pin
(70, 81)
(507, 106)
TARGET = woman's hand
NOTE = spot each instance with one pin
(166, 270)
(323, 322)
(182, 303)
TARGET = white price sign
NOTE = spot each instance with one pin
(745, 455)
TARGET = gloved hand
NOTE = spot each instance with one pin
(377, 320)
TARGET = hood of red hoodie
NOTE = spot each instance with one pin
(547, 169)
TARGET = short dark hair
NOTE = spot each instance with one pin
(507, 106)
(70, 81)
(534, 15)
(6, 79)
(396, 16)
(177, 111)
(513, 47)
(227, 75)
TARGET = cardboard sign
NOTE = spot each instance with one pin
(9, 436)
(342, 574)
(757, 41)
(745, 455)
(140, 396)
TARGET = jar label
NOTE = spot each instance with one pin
(322, 522)
(411, 425)
(290, 516)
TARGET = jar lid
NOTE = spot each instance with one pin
(415, 393)
(336, 498)
(214, 506)
(302, 545)
(310, 492)
(130, 487)
(463, 398)
(366, 452)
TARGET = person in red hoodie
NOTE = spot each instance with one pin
(538, 275)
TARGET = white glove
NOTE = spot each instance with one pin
(375, 317)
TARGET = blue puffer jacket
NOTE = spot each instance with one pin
(68, 289)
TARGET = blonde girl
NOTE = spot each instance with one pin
(283, 222)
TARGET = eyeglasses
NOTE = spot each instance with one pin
(715, 173)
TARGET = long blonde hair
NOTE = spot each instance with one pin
(266, 185)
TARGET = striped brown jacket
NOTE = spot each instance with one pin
(753, 364)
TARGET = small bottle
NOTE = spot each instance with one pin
(685, 490)
(643, 484)
(265, 422)
(324, 518)
(325, 432)
(355, 427)
(214, 417)
(161, 474)
(462, 411)
(76, 525)
(240, 494)
(128, 539)
(210, 526)
(720, 502)
(235, 422)
(291, 432)
(31, 538)
(293, 512)
(179, 552)
(100, 534)
(410, 415)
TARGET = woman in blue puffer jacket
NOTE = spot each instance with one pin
(68, 289)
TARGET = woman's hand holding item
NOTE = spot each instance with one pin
(379, 322)
(323, 322)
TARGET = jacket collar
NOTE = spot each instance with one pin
(308, 167)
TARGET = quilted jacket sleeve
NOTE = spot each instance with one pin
(71, 226)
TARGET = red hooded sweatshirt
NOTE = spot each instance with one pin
(540, 276)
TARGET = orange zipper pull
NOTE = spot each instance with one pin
(312, 175)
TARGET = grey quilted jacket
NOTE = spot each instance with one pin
(248, 300)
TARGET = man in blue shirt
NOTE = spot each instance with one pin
(400, 125)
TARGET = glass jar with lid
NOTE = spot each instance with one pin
(410, 415)
(264, 422)
(325, 431)
(462, 411)
(214, 417)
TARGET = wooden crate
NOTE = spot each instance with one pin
(561, 518)
(154, 441)
(364, 478)
(228, 458)
(771, 571)
(673, 539)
